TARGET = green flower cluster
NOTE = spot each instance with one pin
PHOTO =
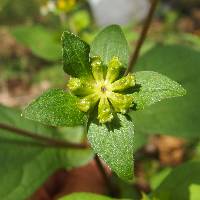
(105, 88)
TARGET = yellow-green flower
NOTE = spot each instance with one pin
(65, 5)
(104, 88)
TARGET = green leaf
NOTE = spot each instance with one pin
(126, 188)
(40, 40)
(75, 55)
(194, 191)
(25, 163)
(154, 87)
(56, 108)
(3, 3)
(113, 142)
(53, 74)
(146, 197)
(111, 42)
(178, 183)
(179, 116)
(140, 140)
(14, 12)
(80, 20)
(157, 178)
(86, 196)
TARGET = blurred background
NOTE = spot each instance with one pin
(30, 32)
(31, 62)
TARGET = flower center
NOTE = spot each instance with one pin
(103, 88)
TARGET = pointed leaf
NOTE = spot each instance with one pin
(39, 40)
(179, 116)
(177, 185)
(113, 142)
(75, 55)
(154, 87)
(111, 42)
(27, 164)
(56, 108)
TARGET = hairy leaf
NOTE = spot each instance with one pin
(154, 87)
(75, 55)
(113, 142)
(179, 116)
(25, 163)
(111, 42)
(56, 108)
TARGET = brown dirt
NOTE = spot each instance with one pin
(83, 179)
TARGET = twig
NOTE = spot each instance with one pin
(110, 186)
(46, 141)
(142, 38)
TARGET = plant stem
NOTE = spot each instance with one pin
(63, 20)
(46, 141)
(110, 186)
(142, 37)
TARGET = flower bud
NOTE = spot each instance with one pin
(113, 70)
(124, 83)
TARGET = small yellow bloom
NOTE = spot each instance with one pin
(65, 5)
(104, 88)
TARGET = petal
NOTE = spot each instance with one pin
(87, 102)
(120, 102)
(104, 111)
(97, 68)
(114, 67)
(124, 83)
(80, 87)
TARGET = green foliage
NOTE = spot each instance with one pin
(39, 40)
(75, 55)
(194, 191)
(179, 117)
(111, 42)
(3, 3)
(193, 39)
(79, 21)
(56, 108)
(156, 179)
(25, 163)
(126, 188)
(18, 11)
(154, 87)
(180, 183)
(111, 139)
(53, 74)
(114, 143)
(86, 196)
